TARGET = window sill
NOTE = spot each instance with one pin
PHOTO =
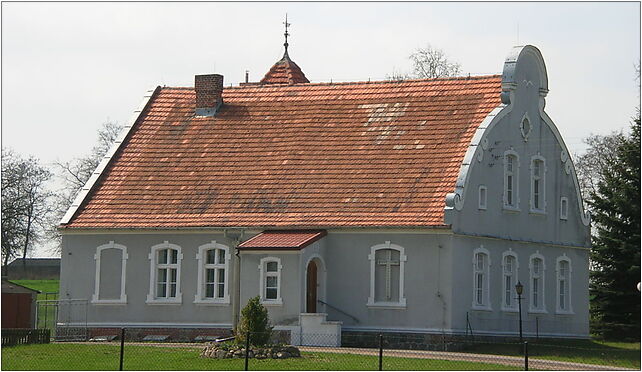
(388, 305)
(538, 212)
(564, 312)
(481, 308)
(109, 302)
(537, 311)
(176, 301)
(277, 302)
(511, 209)
(212, 302)
(510, 310)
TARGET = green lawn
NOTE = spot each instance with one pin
(45, 286)
(61, 356)
(623, 354)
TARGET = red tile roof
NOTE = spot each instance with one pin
(285, 71)
(294, 156)
(291, 239)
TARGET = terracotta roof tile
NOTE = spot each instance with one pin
(294, 156)
(291, 239)
(285, 71)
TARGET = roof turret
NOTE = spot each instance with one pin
(285, 71)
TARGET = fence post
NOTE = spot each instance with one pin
(380, 351)
(525, 355)
(247, 349)
(122, 347)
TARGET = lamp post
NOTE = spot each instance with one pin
(519, 288)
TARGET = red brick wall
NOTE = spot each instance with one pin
(209, 90)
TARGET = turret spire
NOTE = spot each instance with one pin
(286, 34)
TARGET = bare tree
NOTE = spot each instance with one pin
(25, 204)
(428, 63)
(75, 173)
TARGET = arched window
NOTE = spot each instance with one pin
(538, 184)
(213, 273)
(165, 274)
(510, 275)
(564, 285)
(387, 263)
(270, 284)
(536, 297)
(481, 270)
(511, 180)
(111, 270)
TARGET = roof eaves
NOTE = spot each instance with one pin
(84, 192)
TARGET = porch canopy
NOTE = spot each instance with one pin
(282, 240)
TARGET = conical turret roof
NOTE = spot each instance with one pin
(284, 71)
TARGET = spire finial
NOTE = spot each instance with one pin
(286, 34)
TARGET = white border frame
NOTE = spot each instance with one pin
(199, 298)
(569, 275)
(542, 277)
(151, 297)
(401, 304)
(482, 206)
(515, 275)
(486, 290)
(262, 275)
(321, 282)
(542, 188)
(515, 206)
(95, 299)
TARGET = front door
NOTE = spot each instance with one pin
(311, 293)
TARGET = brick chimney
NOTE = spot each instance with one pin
(209, 94)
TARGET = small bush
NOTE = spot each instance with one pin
(254, 319)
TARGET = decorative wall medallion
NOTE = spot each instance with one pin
(567, 168)
(525, 127)
(484, 144)
(564, 156)
(480, 155)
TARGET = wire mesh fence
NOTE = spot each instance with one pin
(314, 351)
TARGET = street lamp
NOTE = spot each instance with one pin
(519, 288)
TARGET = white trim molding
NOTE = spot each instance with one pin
(122, 300)
(401, 303)
(511, 271)
(511, 178)
(201, 258)
(540, 179)
(152, 298)
(537, 289)
(481, 268)
(566, 287)
(263, 275)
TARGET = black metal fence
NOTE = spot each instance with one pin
(127, 350)
(15, 336)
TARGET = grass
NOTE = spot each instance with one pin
(45, 286)
(62, 356)
(622, 354)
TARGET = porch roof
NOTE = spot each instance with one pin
(280, 239)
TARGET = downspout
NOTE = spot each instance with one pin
(236, 298)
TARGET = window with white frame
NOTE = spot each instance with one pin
(511, 178)
(538, 184)
(563, 208)
(387, 262)
(270, 285)
(213, 273)
(481, 270)
(482, 196)
(165, 274)
(537, 269)
(509, 270)
(564, 285)
(111, 270)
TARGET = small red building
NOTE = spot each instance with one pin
(18, 306)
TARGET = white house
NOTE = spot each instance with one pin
(401, 206)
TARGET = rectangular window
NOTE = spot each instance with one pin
(509, 287)
(482, 197)
(537, 185)
(535, 292)
(270, 271)
(564, 208)
(480, 289)
(511, 169)
(271, 287)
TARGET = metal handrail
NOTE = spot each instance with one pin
(339, 310)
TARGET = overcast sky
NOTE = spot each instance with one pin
(69, 67)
